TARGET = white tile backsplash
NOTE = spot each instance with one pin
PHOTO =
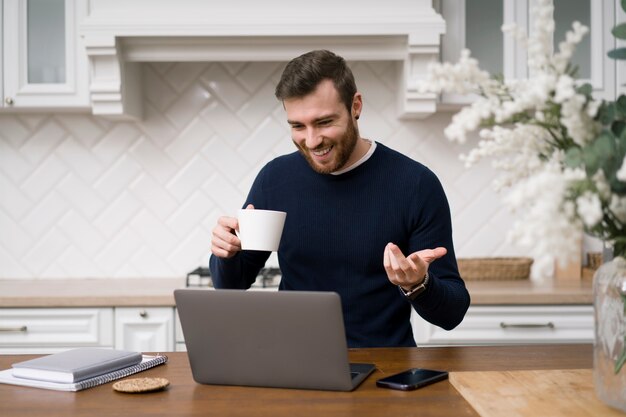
(154, 197)
(225, 87)
(44, 177)
(41, 218)
(82, 233)
(80, 159)
(46, 137)
(13, 130)
(115, 142)
(12, 163)
(117, 177)
(190, 141)
(82, 196)
(84, 129)
(114, 218)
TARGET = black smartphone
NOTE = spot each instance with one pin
(412, 379)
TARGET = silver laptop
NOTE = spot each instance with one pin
(286, 339)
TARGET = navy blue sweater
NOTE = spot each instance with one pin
(335, 234)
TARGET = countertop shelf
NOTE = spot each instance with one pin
(116, 292)
(527, 292)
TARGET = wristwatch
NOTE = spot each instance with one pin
(416, 290)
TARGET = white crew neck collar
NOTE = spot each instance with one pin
(364, 158)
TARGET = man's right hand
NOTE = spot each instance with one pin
(224, 242)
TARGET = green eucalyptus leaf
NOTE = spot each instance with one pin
(620, 107)
(606, 113)
(619, 31)
(600, 154)
(617, 186)
(619, 53)
(618, 127)
(585, 89)
(592, 161)
(624, 5)
(621, 146)
(620, 141)
(574, 157)
(605, 144)
(609, 152)
(591, 158)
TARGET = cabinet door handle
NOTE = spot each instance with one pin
(9, 101)
(504, 325)
(14, 329)
(143, 314)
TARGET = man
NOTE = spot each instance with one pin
(354, 209)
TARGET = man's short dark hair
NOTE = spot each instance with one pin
(303, 74)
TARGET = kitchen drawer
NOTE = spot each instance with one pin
(43, 330)
(488, 325)
(144, 329)
(180, 337)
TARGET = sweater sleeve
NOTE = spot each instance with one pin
(238, 272)
(446, 299)
(444, 303)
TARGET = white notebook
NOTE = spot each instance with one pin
(75, 365)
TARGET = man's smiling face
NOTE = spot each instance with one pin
(323, 129)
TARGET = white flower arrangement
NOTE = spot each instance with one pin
(561, 153)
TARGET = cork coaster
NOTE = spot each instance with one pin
(137, 385)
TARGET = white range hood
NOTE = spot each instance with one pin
(121, 34)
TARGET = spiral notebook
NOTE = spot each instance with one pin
(75, 365)
(147, 362)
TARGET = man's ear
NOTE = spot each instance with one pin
(357, 105)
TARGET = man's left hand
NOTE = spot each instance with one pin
(409, 271)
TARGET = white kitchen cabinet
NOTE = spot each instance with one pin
(498, 325)
(157, 329)
(149, 329)
(44, 63)
(47, 330)
(476, 25)
(180, 338)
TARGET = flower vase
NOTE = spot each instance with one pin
(609, 295)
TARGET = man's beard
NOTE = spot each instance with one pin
(342, 150)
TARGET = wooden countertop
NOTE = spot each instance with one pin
(157, 292)
(94, 292)
(186, 398)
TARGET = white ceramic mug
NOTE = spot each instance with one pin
(260, 229)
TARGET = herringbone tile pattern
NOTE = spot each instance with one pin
(81, 196)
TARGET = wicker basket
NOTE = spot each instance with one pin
(594, 260)
(494, 269)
